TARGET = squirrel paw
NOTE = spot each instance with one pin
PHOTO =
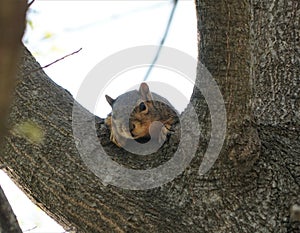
(164, 133)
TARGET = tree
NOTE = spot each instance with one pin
(12, 24)
(250, 47)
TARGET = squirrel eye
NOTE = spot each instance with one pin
(142, 106)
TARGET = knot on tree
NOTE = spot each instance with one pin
(244, 147)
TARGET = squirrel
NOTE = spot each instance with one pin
(133, 113)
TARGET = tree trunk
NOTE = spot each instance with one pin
(251, 51)
(12, 25)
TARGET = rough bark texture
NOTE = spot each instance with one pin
(257, 79)
(224, 49)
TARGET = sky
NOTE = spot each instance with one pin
(101, 29)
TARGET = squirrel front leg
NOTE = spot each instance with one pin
(114, 138)
(109, 125)
(165, 131)
(160, 131)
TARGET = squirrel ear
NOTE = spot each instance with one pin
(109, 100)
(145, 92)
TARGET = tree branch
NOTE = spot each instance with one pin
(224, 49)
(8, 221)
(12, 25)
(50, 64)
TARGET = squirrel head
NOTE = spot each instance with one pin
(132, 113)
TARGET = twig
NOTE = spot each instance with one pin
(30, 229)
(40, 68)
(162, 41)
(29, 4)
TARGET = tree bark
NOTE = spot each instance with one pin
(224, 49)
(12, 25)
(256, 65)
